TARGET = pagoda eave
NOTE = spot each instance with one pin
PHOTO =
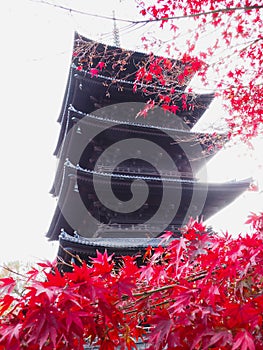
(80, 184)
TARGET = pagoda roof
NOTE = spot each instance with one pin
(91, 93)
(125, 114)
(90, 98)
(230, 187)
(160, 124)
(216, 197)
(120, 62)
(87, 92)
(86, 247)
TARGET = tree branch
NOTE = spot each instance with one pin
(225, 10)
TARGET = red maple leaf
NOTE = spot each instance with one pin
(243, 341)
(10, 335)
(7, 285)
(163, 325)
(94, 72)
(101, 65)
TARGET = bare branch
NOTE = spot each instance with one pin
(224, 10)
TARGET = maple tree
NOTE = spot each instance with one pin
(202, 291)
(236, 43)
(232, 57)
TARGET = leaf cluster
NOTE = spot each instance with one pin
(203, 291)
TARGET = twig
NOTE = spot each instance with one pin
(225, 10)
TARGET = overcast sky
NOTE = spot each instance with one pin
(36, 44)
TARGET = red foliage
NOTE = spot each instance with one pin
(238, 32)
(256, 221)
(224, 46)
(203, 291)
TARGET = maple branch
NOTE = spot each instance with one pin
(72, 255)
(251, 43)
(193, 15)
(161, 303)
(152, 291)
(226, 10)
(63, 262)
(12, 271)
(143, 295)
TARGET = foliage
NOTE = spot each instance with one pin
(203, 291)
(16, 269)
(237, 45)
(225, 45)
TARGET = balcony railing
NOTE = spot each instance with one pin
(145, 171)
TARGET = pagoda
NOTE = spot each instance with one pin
(123, 179)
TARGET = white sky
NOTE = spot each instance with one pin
(36, 45)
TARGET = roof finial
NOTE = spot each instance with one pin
(116, 35)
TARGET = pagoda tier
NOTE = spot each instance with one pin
(90, 95)
(187, 150)
(183, 199)
(75, 247)
(88, 92)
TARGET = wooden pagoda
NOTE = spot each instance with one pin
(104, 151)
